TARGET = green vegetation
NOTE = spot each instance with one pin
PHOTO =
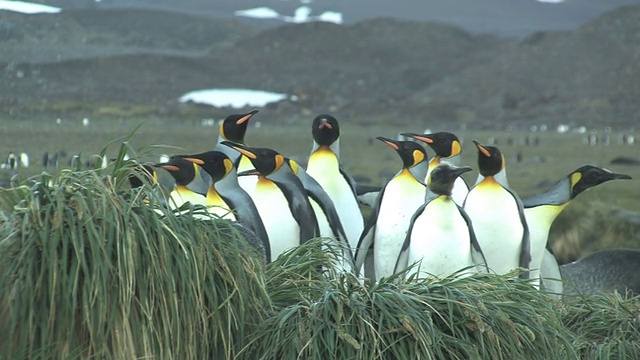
(92, 269)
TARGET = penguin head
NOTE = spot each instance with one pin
(444, 144)
(215, 163)
(266, 161)
(588, 176)
(490, 159)
(143, 174)
(234, 127)
(443, 176)
(325, 130)
(410, 152)
(182, 171)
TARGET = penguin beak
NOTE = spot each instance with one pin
(461, 170)
(389, 142)
(615, 176)
(241, 149)
(246, 118)
(481, 148)
(249, 172)
(167, 166)
(420, 137)
(194, 160)
(324, 124)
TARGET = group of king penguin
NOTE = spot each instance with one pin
(425, 218)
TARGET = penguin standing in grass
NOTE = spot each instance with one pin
(398, 200)
(234, 129)
(191, 184)
(324, 167)
(226, 198)
(541, 210)
(329, 223)
(448, 149)
(497, 215)
(281, 200)
(440, 236)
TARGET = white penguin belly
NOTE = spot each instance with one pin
(460, 191)
(401, 199)
(497, 225)
(440, 238)
(324, 168)
(282, 228)
(539, 220)
(247, 182)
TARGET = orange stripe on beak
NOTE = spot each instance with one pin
(195, 160)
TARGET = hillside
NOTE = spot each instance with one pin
(374, 71)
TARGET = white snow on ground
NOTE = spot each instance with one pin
(26, 7)
(301, 15)
(235, 98)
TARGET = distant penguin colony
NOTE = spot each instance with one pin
(425, 222)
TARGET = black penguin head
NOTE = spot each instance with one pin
(443, 176)
(325, 130)
(182, 171)
(215, 163)
(490, 159)
(142, 174)
(444, 144)
(410, 152)
(234, 126)
(588, 176)
(266, 161)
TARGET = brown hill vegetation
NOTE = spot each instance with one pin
(376, 71)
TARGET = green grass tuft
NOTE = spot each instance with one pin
(90, 270)
(481, 317)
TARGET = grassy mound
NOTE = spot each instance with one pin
(91, 270)
(483, 317)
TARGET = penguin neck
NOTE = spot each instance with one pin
(431, 195)
(214, 198)
(500, 178)
(559, 194)
(409, 173)
(200, 183)
(420, 171)
(334, 147)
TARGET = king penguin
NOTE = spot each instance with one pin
(226, 198)
(280, 199)
(327, 216)
(440, 236)
(448, 149)
(234, 128)
(190, 182)
(541, 210)
(324, 167)
(497, 215)
(386, 228)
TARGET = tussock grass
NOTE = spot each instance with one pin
(90, 270)
(605, 326)
(480, 317)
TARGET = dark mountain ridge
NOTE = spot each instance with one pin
(374, 71)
